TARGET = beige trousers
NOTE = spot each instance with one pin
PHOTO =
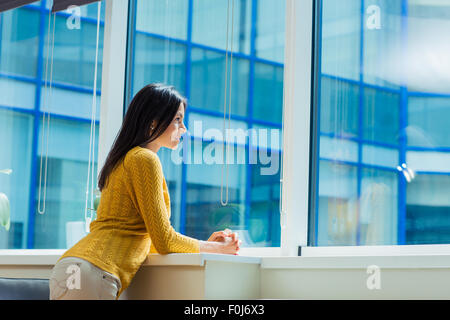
(74, 278)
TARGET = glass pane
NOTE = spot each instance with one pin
(267, 137)
(16, 132)
(382, 42)
(209, 25)
(208, 75)
(428, 210)
(339, 107)
(268, 93)
(62, 173)
(201, 125)
(87, 11)
(157, 60)
(184, 45)
(341, 27)
(172, 173)
(381, 116)
(163, 17)
(424, 63)
(270, 30)
(380, 156)
(19, 41)
(428, 122)
(377, 221)
(264, 221)
(203, 193)
(90, 11)
(382, 123)
(65, 197)
(338, 149)
(74, 52)
(19, 94)
(337, 205)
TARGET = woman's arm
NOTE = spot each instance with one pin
(146, 180)
(146, 184)
(229, 246)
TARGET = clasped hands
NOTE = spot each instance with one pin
(227, 237)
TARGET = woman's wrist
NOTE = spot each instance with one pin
(210, 246)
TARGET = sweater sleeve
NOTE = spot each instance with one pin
(146, 179)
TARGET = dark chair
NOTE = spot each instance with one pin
(24, 289)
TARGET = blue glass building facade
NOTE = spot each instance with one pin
(380, 151)
(168, 43)
(382, 175)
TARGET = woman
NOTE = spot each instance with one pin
(133, 217)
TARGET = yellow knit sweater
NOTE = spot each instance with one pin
(133, 219)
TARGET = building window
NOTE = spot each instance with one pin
(381, 173)
(24, 100)
(184, 44)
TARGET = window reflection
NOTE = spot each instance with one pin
(383, 93)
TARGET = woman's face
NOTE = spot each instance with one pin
(171, 137)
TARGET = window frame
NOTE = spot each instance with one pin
(113, 76)
(114, 90)
(312, 250)
(298, 103)
(298, 57)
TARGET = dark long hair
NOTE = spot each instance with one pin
(154, 102)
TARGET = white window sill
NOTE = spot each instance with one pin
(357, 251)
(196, 259)
(423, 256)
(51, 256)
(198, 276)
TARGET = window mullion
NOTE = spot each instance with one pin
(296, 118)
(113, 75)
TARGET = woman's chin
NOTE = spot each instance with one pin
(175, 145)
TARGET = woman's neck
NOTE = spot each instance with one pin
(153, 146)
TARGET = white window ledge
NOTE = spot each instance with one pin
(254, 255)
(417, 256)
(405, 275)
(196, 259)
(362, 262)
(51, 256)
(375, 250)
(30, 256)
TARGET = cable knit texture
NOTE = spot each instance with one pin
(133, 219)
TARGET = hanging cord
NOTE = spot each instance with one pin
(88, 217)
(225, 100)
(47, 112)
(282, 212)
(166, 44)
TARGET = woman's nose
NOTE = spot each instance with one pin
(183, 128)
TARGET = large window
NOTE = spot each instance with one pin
(29, 142)
(184, 43)
(381, 173)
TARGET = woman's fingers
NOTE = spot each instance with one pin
(218, 236)
(230, 238)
